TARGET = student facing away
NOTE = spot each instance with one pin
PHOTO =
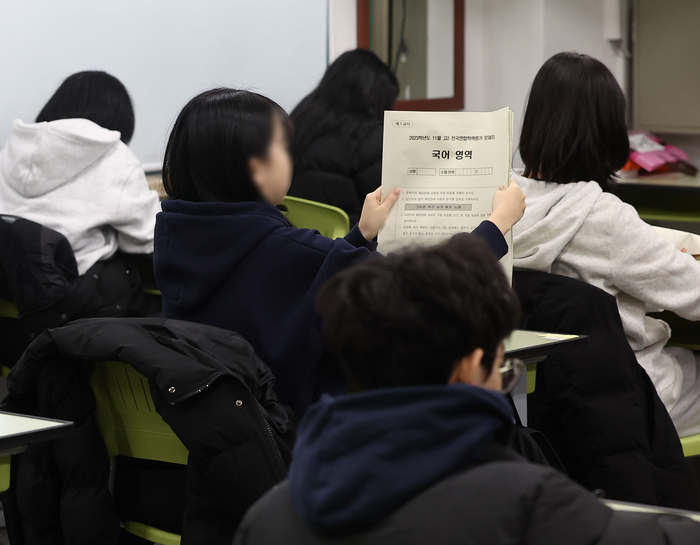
(225, 256)
(73, 172)
(573, 140)
(422, 454)
(338, 127)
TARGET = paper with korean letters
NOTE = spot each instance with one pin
(448, 166)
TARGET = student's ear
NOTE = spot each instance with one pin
(255, 166)
(468, 369)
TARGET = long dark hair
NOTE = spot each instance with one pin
(574, 127)
(96, 96)
(212, 141)
(356, 87)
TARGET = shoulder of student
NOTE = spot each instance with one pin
(505, 501)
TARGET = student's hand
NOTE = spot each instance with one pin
(375, 212)
(508, 206)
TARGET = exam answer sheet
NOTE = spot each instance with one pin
(448, 166)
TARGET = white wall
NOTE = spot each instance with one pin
(342, 24)
(164, 51)
(440, 56)
(507, 41)
(504, 48)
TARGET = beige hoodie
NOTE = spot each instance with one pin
(579, 231)
(79, 179)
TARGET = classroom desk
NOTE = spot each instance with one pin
(17, 431)
(530, 345)
(650, 509)
(533, 347)
(667, 197)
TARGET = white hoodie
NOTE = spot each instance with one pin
(579, 231)
(79, 179)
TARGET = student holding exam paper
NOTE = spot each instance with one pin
(225, 256)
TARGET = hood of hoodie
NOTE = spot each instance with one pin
(39, 157)
(360, 457)
(215, 237)
(554, 214)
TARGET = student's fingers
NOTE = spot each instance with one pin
(376, 195)
(391, 198)
(513, 183)
(684, 250)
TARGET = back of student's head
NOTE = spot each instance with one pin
(408, 319)
(574, 127)
(96, 96)
(217, 133)
(357, 86)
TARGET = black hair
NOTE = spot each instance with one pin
(574, 127)
(408, 319)
(212, 141)
(356, 87)
(96, 96)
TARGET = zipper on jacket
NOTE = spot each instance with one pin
(260, 409)
(262, 415)
(199, 390)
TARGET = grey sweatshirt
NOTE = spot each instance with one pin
(79, 179)
(579, 231)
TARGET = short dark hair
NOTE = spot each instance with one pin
(96, 96)
(407, 319)
(215, 135)
(358, 86)
(574, 127)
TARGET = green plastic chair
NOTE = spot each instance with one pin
(130, 426)
(8, 310)
(5, 473)
(328, 220)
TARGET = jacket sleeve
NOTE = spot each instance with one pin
(136, 214)
(651, 269)
(563, 512)
(492, 234)
(356, 238)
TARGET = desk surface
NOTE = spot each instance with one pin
(18, 430)
(650, 509)
(534, 344)
(665, 179)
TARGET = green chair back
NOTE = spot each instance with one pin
(5, 473)
(691, 445)
(328, 220)
(8, 310)
(130, 426)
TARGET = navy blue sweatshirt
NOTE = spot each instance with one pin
(242, 267)
(359, 457)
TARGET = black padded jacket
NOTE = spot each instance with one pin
(596, 404)
(238, 437)
(502, 500)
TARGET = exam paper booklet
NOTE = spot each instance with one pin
(448, 166)
(681, 239)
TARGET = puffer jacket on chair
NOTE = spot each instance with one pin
(238, 437)
(596, 404)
